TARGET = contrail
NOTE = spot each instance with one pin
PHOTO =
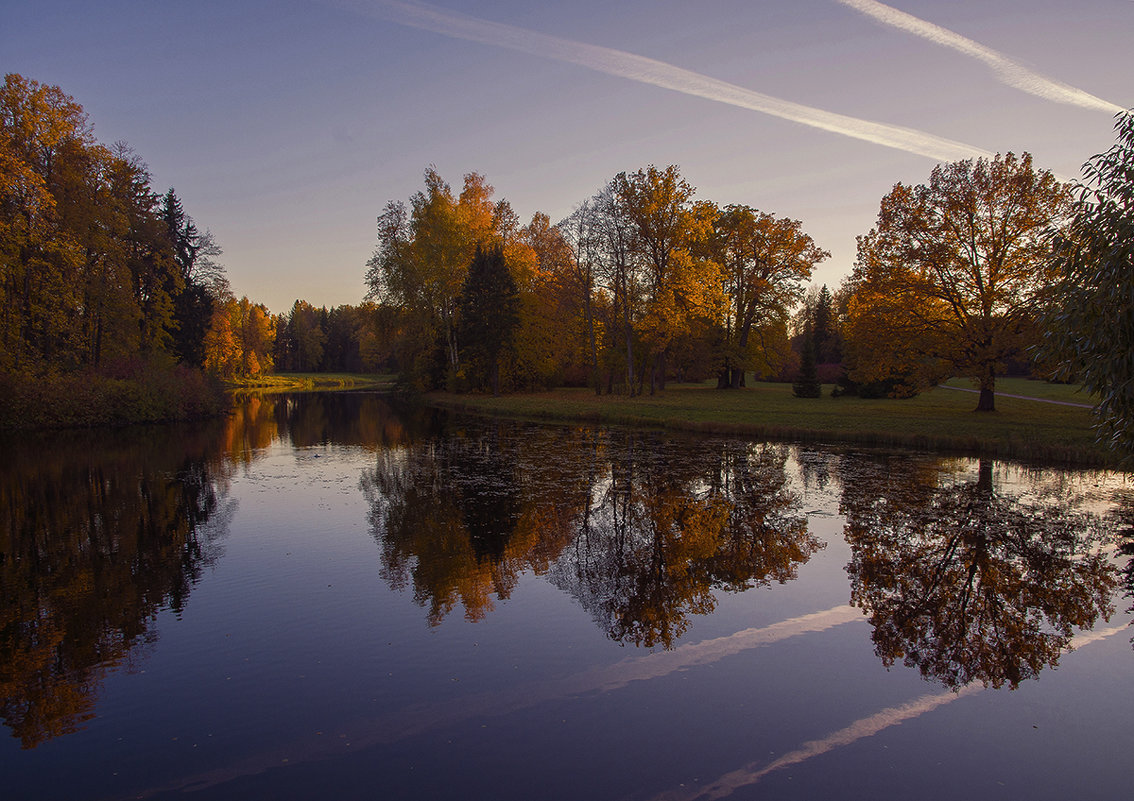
(422, 718)
(1005, 69)
(657, 73)
(865, 727)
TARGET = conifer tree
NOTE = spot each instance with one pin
(489, 315)
(808, 385)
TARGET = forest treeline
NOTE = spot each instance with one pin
(991, 266)
(107, 287)
(640, 285)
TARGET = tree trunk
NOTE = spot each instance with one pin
(984, 478)
(589, 319)
(987, 401)
(629, 359)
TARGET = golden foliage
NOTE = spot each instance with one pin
(953, 271)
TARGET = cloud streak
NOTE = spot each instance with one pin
(657, 73)
(415, 720)
(752, 773)
(1006, 70)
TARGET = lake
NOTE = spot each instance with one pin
(327, 596)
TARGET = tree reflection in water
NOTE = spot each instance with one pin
(966, 583)
(1125, 518)
(639, 528)
(98, 532)
(671, 523)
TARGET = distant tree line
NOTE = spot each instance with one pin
(640, 285)
(992, 267)
(338, 340)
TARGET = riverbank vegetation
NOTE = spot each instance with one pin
(134, 393)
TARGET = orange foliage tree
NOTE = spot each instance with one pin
(949, 279)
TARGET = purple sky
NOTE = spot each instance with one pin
(286, 126)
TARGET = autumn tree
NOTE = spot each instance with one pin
(240, 340)
(42, 131)
(619, 280)
(93, 262)
(582, 238)
(145, 249)
(1090, 327)
(953, 271)
(766, 261)
(420, 264)
(221, 356)
(548, 337)
(665, 226)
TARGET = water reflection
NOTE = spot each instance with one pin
(641, 529)
(967, 583)
(961, 579)
(1124, 516)
(670, 522)
(362, 419)
(447, 517)
(98, 531)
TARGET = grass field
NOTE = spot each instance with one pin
(941, 419)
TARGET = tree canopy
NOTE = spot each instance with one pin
(949, 280)
(1090, 328)
(95, 267)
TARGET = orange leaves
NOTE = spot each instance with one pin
(953, 270)
(240, 339)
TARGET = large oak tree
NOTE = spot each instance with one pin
(953, 270)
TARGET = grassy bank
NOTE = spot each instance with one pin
(298, 382)
(942, 419)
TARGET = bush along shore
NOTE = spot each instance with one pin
(88, 398)
(1028, 427)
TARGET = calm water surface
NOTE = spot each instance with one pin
(324, 597)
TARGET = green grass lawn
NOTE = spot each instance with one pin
(941, 419)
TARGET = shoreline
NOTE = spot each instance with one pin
(1053, 431)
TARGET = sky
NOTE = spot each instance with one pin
(285, 127)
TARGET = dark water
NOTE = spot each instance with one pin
(327, 598)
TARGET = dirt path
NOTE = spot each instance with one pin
(1021, 397)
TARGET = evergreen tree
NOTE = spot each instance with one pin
(200, 278)
(808, 385)
(489, 316)
(826, 336)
